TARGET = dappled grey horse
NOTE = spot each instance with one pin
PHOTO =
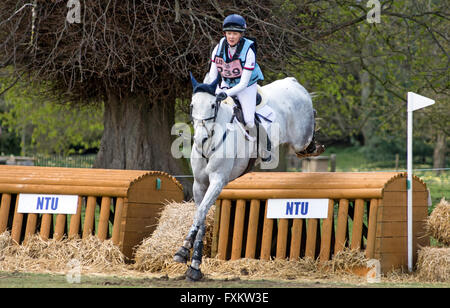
(218, 157)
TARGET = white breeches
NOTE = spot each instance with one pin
(247, 97)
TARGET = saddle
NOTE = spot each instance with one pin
(237, 108)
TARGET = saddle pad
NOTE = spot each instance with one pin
(268, 116)
(263, 98)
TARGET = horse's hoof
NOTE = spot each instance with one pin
(182, 255)
(319, 149)
(193, 274)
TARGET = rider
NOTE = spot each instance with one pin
(235, 59)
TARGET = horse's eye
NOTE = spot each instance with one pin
(212, 106)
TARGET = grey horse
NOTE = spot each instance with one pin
(221, 152)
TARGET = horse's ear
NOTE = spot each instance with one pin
(216, 82)
(193, 81)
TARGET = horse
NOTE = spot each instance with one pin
(215, 161)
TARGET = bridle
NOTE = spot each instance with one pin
(210, 133)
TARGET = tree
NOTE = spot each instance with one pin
(134, 56)
(46, 127)
(366, 70)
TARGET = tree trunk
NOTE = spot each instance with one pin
(440, 150)
(137, 135)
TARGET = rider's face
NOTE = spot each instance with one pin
(233, 37)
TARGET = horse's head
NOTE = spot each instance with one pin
(203, 110)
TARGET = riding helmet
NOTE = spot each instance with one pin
(235, 23)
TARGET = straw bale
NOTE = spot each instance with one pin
(269, 269)
(5, 242)
(438, 223)
(156, 252)
(346, 260)
(39, 255)
(433, 264)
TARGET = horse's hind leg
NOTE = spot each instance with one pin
(313, 148)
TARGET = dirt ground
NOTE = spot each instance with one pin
(41, 280)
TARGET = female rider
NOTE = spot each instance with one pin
(234, 58)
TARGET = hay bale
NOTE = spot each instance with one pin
(5, 242)
(156, 252)
(438, 223)
(346, 260)
(38, 255)
(264, 269)
(433, 264)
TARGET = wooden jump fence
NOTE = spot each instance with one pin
(366, 211)
(126, 203)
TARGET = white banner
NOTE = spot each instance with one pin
(51, 204)
(297, 208)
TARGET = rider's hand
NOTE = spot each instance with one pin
(221, 96)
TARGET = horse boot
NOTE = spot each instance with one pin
(314, 149)
(193, 272)
(182, 254)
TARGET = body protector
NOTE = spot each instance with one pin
(231, 69)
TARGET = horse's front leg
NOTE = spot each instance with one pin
(182, 255)
(215, 187)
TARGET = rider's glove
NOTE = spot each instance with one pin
(221, 96)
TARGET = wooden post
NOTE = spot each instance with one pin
(75, 220)
(30, 228)
(60, 225)
(117, 221)
(282, 238)
(103, 222)
(372, 228)
(327, 228)
(357, 224)
(216, 226)
(17, 224)
(224, 229)
(4, 211)
(236, 248)
(311, 238)
(46, 224)
(341, 225)
(296, 238)
(89, 216)
(252, 233)
(266, 244)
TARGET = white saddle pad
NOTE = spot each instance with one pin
(265, 112)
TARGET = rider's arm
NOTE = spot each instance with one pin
(212, 75)
(249, 66)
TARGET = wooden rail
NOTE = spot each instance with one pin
(366, 211)
(119, 204)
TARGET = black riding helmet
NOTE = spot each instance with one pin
(235, 23)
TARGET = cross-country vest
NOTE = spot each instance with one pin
(231, 69)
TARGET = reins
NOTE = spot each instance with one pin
(210, 135)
